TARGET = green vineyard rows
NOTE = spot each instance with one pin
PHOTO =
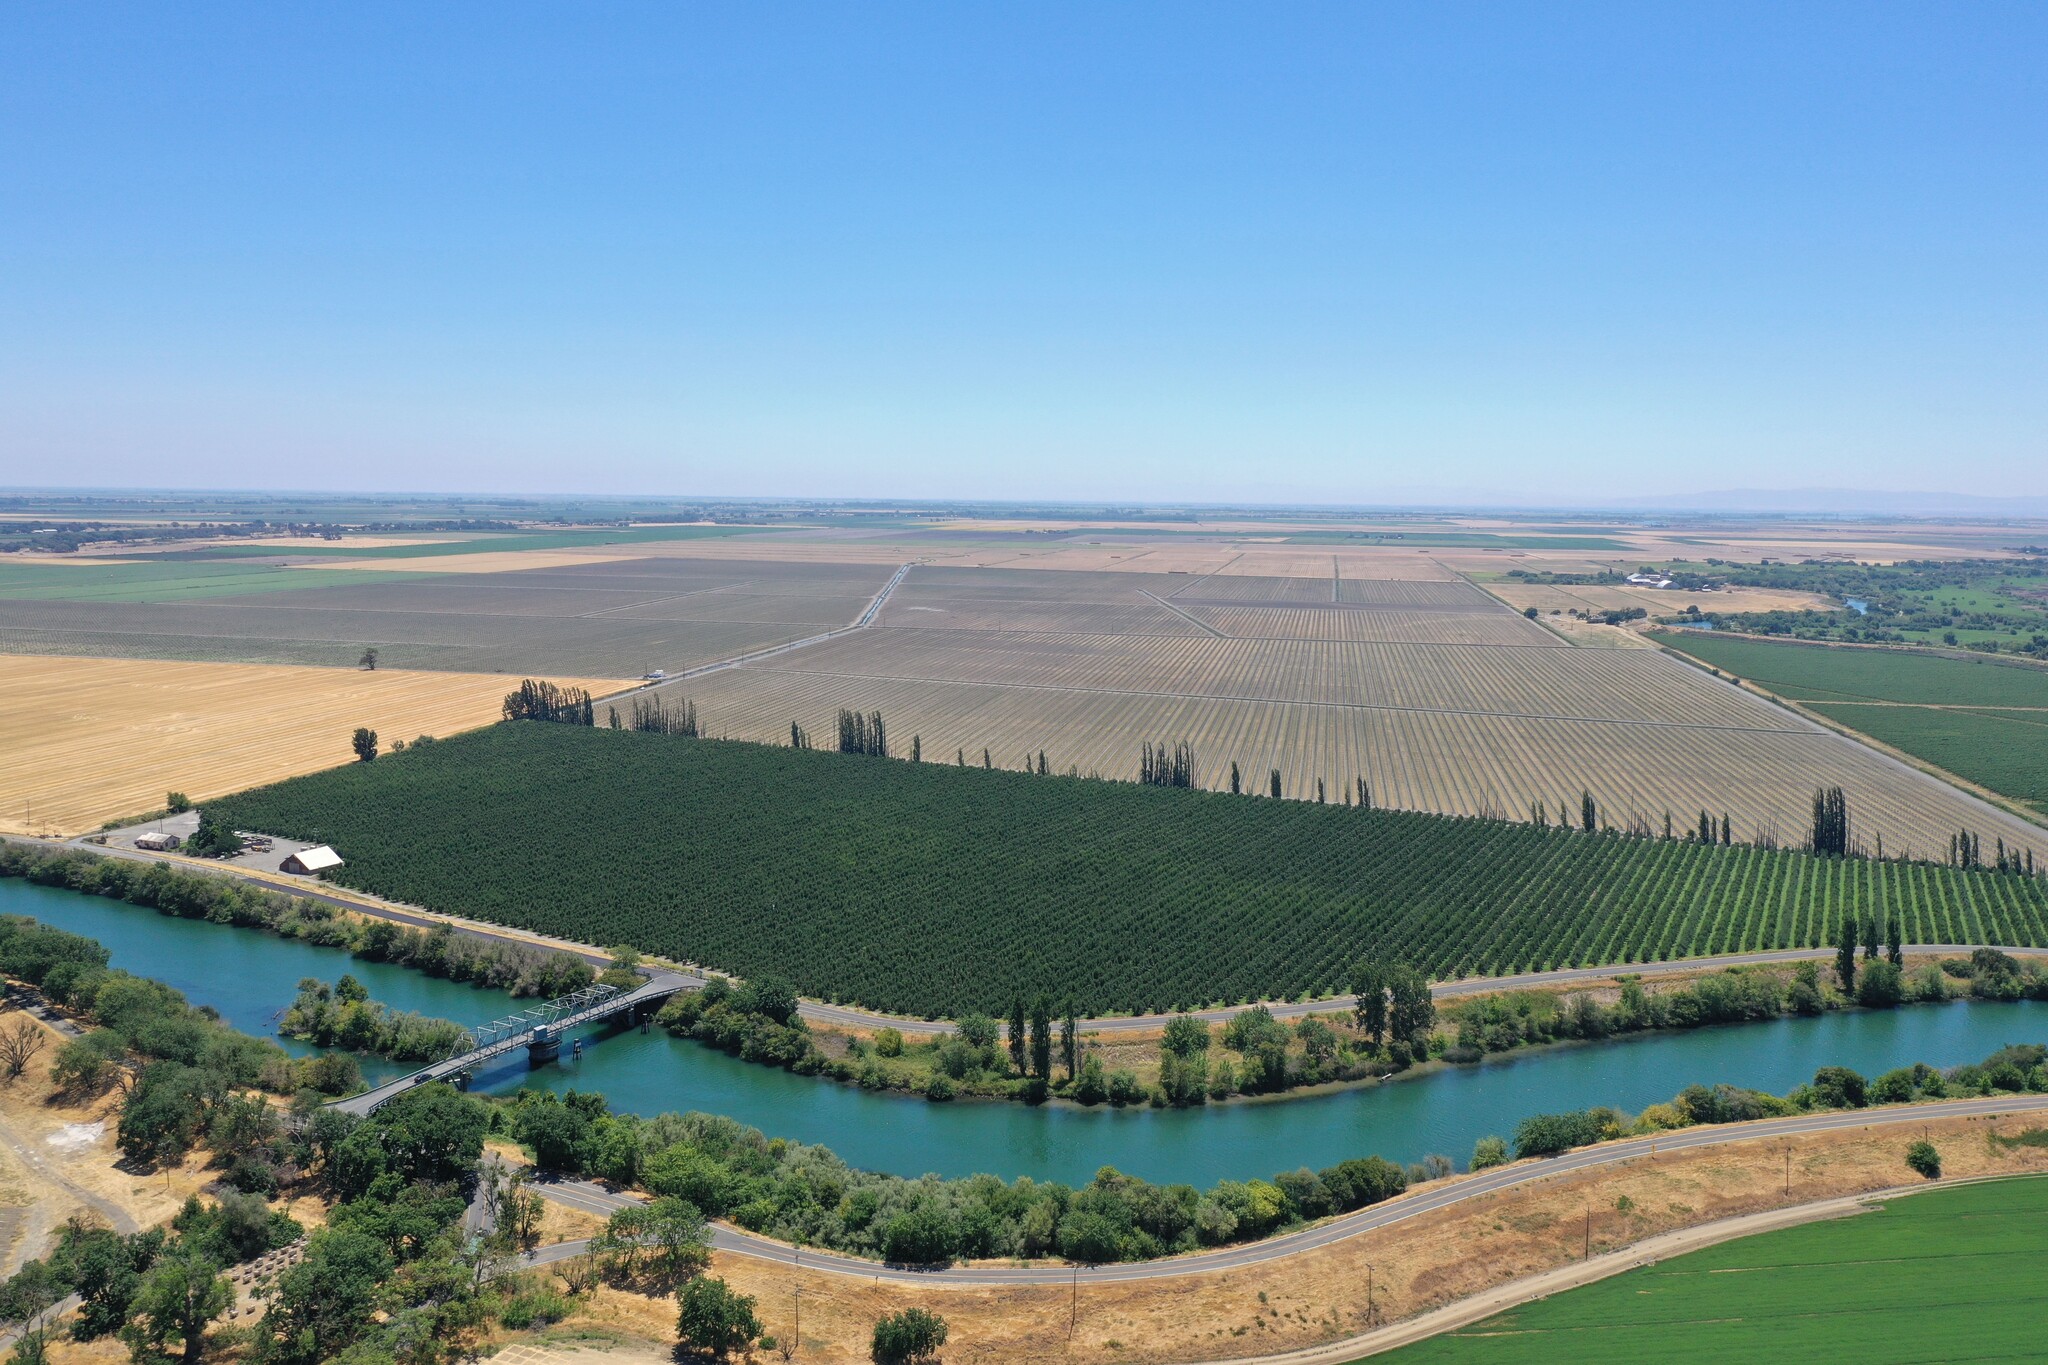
(931, 889)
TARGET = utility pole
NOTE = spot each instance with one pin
(1788, 1172)
(1074, 1304)
(1371, 1309)
(1589, 1234)
(797, 1337)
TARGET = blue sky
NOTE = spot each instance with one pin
(1326, 253)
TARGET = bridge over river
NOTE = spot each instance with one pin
(539, 1030)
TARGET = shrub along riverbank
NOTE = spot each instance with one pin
(808, 1196)
(496, 963)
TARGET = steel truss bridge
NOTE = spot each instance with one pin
(539, 1030)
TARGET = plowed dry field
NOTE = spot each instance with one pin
(83, 741)
(1435, 694)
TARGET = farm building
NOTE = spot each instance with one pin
(315, 859)
(158, 841)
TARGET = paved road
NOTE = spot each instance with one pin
(1425, 1200)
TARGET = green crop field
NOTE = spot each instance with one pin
(2006, 751)
(1829, 673)
(1984, 721)
(1949, 1275)
(927, 888)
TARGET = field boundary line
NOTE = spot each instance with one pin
(861, 622)
(1198, 625)
(1200, 579)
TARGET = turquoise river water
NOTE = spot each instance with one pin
(251, 977)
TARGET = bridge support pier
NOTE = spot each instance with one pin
(544, 1048)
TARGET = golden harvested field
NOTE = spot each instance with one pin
(83, 741)
(1657, 601)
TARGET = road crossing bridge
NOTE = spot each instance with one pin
(539, 1030)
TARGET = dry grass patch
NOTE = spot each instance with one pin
(83, 741)
(1320, 1296)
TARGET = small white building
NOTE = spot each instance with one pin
(318, 858)
(1649, 580)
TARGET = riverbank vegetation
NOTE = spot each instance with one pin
(2018, 1069)
(1043, 1054)
(178, 1069)
(1505, 1020)
(808, 1196)
(499, 964)
(938, 890)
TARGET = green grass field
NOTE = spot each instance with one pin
(1806, 672)
(1950, 1275)
(2003, 747)
(930, 888)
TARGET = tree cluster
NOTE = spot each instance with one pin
(863, 733)
(1159, 766)
(807, 1195)
(536, 700)
(2010, 1070)
(343, 1016)
(1830, 823)
(651, 716)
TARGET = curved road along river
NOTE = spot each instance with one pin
(596, 1199)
